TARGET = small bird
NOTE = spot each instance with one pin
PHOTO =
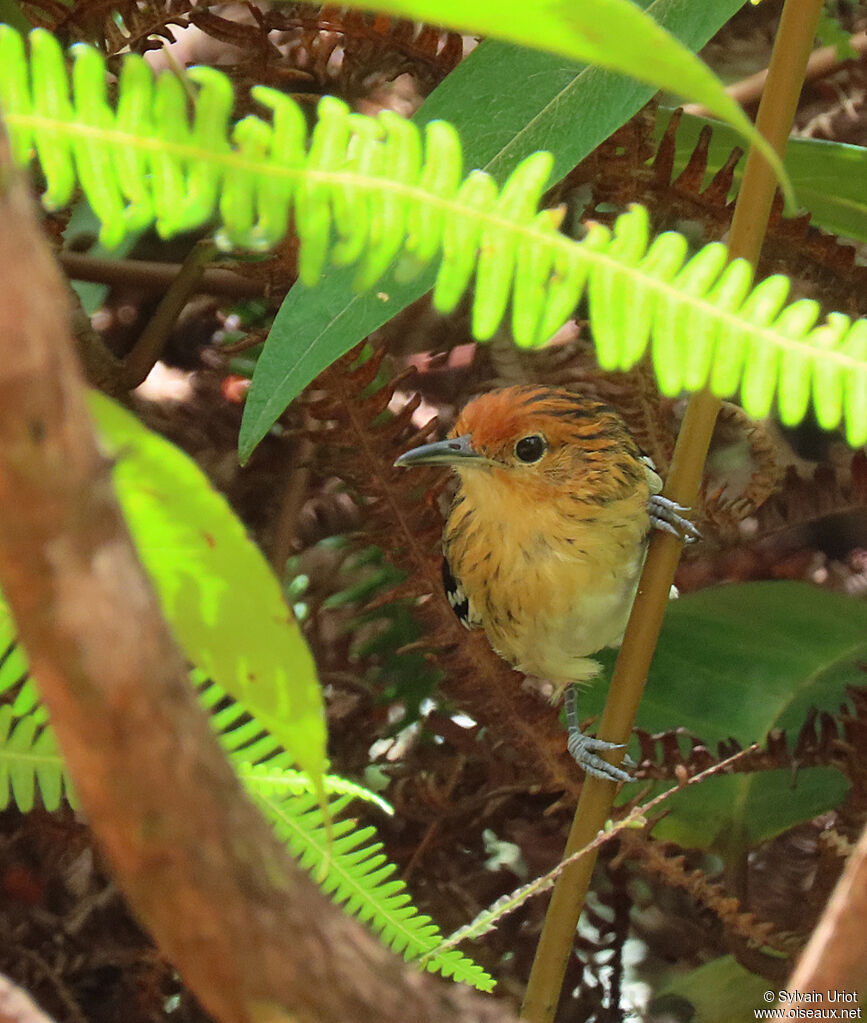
(547, 534)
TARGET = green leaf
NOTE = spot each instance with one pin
(294, 783)
(11, 14)
(14, 674)
(30, 762)
(223, 603)
(345, 860)
(614, 34)
(570, 109)
(828, 177)
(738, 661)
(358, 876)
(736, 812)
(639, 291)
(719, 991)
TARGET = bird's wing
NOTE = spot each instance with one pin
(653, 478)
(460, 602)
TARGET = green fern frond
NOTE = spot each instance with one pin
(707, 327)
(240, 734)
(358, 875)
(296, 783)
(30, 761)
(16, 686)
(348, 863)
(368, 191)
(248, 743)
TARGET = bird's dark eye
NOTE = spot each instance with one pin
(530, 449)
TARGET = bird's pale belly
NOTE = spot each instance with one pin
(557, 611)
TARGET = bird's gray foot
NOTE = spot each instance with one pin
(670, 517)
(585, 749)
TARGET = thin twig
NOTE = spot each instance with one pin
(150, 275)
(152, 339)
(637, 816)
(749, 90)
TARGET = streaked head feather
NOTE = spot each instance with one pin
(590, 455)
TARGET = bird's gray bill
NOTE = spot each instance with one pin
(441, 452)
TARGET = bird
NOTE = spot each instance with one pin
(547, 534)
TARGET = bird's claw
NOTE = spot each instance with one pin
(669, 516)
(585, 749)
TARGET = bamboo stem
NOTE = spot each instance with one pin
(789, 60)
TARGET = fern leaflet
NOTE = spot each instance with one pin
(30, 761)
(248, 742)
(357, 870)
(29, 758)
(367, 191)
(16, 686)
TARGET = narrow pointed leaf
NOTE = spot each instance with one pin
(569, 111)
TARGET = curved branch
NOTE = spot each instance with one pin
(250, 933)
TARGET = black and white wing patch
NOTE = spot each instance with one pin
(456, 597)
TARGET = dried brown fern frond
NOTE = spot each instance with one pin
(332, 49)
(800, 498)
(359, 441)
(790, 876)
(300, 46)
(726, 502)
(375, 43)
(852, 721)
(829, 491)
(631, 167)
(817, 745)
(136, 25)
(666, 862)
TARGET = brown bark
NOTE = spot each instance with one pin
(249, 932)
(835, 959)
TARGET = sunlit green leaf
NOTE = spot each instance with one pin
(717, 992)
(734, 813)
(614, 34)
(219, 595)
